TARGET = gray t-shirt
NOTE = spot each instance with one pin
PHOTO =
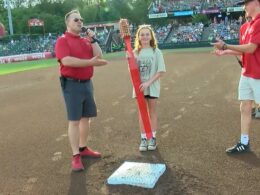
(150, 62)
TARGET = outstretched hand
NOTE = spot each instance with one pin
(219, 52)
(219, 44)
(97, 61)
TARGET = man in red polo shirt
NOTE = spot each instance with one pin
(77, 56)
(249, 85)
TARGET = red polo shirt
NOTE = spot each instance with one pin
(250, 33)
(74, 46)
(242, 32)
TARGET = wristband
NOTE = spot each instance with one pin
(94, 40)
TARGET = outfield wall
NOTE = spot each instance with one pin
(47, 55)
(25, 57)
(192, 44)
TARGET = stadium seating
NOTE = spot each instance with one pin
(162, 32)
(174, 5)
(186, 33)
(228, 31)
(26, 44)
(220, 3)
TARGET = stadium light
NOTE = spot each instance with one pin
(8, 6)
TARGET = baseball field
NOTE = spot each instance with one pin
(198, 114)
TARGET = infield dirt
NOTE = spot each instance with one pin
(198, 114)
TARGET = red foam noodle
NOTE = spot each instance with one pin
(135, 77)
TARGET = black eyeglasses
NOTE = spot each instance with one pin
(78, 19)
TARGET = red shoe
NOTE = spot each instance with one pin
(76, 163)
(90, 153)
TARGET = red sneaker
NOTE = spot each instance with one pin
(76, 163)
(90, 153)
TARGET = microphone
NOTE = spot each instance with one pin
(85, 30)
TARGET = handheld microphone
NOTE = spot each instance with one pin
(85, 30)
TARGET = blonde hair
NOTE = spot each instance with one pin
(153, 42)
(75, 11)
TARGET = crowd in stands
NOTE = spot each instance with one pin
(157, 7)
(162, 32)
(219, 3)
(27, 44)
(160, 6)
(225, 31)
(186, 33)
(101, 34)
(177, 5)
(35, 44)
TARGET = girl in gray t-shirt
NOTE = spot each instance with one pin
(151, 67)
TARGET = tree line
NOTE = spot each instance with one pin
(52, 12)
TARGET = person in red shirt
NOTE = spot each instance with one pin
(77, 55)
(249, 85)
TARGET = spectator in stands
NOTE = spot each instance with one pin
(27, 44)
(187, 33)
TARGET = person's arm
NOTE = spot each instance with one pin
(97, 51)
(77, 62)
(146, 84)
(64, 56)
(219, 52)
(246, 48)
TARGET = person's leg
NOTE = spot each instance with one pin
(84, 127)
(246, 118)
(73, 133)
(246, 98)
(257, 111)
(152, 107)
(141, 126)
(89, 111)
(74, 109)
(143, 145)
(256, 89)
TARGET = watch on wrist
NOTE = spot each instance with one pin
(94, 40)
(224, 47)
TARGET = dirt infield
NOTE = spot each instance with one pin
(198, 114)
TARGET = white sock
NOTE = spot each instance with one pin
(244, 139)
(143, 136)
(154, 134)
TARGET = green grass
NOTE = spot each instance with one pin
(30, 65)
(27, 65)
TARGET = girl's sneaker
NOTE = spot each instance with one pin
(152, 144)
(143, 145)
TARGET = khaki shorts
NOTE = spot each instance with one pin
(249, 89)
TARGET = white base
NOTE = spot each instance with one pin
(137, 174)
